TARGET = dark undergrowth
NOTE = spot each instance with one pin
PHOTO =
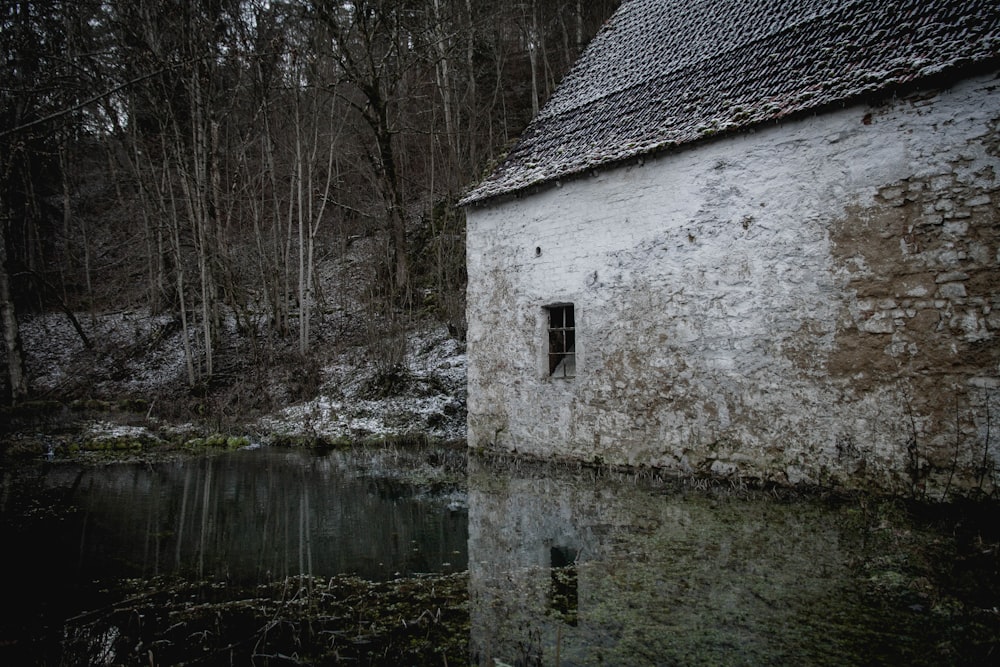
(295, 621)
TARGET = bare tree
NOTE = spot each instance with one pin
(372, 45)
(11, 335)
(199, 156)
(317, 130)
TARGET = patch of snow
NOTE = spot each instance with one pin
(458, 501)
(55, 354)
(103, 430)
(436, 363)
(138, 355)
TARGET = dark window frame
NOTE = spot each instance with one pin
(560, 352)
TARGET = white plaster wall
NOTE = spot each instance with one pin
(724, 295)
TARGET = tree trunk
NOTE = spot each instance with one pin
(394, 196)
(473, 99)
(175, 225)
(11, 333)
(300, 225)
(443, 74)
(533, 47)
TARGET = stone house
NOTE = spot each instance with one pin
(752, 238)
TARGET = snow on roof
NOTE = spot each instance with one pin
(664, 73)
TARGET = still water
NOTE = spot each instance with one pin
(565, 565)
(255, 515)
(581, 567)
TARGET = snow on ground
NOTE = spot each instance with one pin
(137, 356)
(56, 354)
(433, 402)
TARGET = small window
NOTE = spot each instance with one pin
(564, 595)
(562, 341)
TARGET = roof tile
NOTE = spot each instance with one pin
(665, 73)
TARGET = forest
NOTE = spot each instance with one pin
(209, 160)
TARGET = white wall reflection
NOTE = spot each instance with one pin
(662, 576)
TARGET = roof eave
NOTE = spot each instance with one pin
(939, 77)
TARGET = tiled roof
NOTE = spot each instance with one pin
(664, 73)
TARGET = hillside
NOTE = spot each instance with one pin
(336, 394)
(132, 380)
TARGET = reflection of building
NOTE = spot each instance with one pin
(674, 578)
(527, 537)
(753, 238)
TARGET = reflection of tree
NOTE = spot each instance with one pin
(305, 532)
(206, 504)
(268, 515)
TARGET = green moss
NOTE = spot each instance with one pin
(123, 444)
(194, 443)
(237, 442)
(216, 441)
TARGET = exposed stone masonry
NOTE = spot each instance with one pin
(815, 303)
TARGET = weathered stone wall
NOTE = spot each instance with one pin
(815, 302)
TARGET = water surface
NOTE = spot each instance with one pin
(255, 515)
(583, 567)
(565, 565)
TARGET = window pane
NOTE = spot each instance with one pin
(562, 341)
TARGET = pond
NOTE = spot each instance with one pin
(580, 567)
(245, 518)
(259, 515)
(412, 557)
